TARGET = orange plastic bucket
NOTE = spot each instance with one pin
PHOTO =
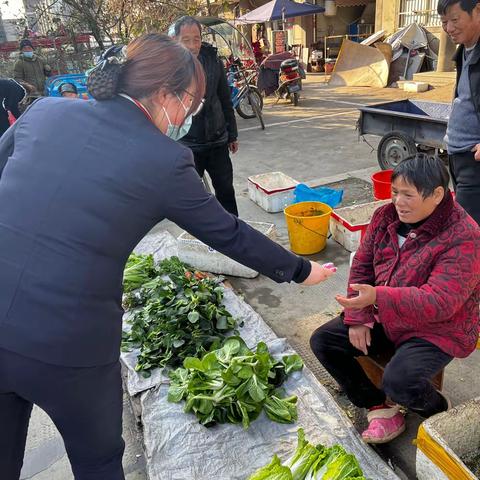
(382, 184)
(307, 224)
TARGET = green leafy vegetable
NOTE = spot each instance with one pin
(139, 270)
(303, 458)
(310, 462)
(273, 471)
(233, 384)
(179, 314)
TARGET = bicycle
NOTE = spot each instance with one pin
(246, 97)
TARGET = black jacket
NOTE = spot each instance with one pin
(11, 94)
(74, 202)
(215, 124)
(473, 73)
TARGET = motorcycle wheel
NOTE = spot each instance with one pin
(246, 108)
(295, 98)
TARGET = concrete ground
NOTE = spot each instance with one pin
(316, 143)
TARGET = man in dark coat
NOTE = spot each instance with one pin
(11, 94)
(213, 134)
(31, 68)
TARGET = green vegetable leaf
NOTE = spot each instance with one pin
(293, 363)
(256, 389)
(177, 312)
(273, 471)
(193, 317)
(225, 386)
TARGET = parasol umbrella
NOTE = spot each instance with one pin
(279, 10)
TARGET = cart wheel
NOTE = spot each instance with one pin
(393, 148)
(295, 98)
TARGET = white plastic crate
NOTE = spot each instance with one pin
(272, 191)
(204, 258)
(444, 440)
(348, 224)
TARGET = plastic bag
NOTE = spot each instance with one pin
(330, 196)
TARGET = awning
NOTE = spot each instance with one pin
(352, 3)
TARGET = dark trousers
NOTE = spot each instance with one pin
(406, 378)
(465, 173)
(84, 403)
(216, 161)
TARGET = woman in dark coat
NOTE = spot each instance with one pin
(11, 94)
(72, 208)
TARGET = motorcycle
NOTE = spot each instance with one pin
(282, 75)
(290, 80)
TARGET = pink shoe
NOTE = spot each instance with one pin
(384, 424)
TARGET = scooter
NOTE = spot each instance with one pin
(290, 81)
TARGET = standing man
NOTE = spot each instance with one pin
(31, 68)
(461, 21)
(213, 134)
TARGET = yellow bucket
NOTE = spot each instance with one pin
(307, 224)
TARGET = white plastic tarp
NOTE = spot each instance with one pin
(179, 448)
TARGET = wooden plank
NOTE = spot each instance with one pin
(374, 369)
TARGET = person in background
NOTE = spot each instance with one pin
(413, 293)
(12, 93)
(461, 21)
(68, 90)
(73, 206)
(213, 134)
(31, 68)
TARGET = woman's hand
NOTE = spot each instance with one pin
(233, 147)
(360, 337)
(476, 150)
(319, 273)
(367, 295)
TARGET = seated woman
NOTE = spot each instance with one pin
(414, 289)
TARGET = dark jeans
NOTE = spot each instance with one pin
(84, 403)
(406, 378)
(465, 173)
(216, 161)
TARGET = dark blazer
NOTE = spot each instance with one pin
(81, 184)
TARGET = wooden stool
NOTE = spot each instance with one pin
(375, 366)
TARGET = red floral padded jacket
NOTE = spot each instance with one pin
(430, 288)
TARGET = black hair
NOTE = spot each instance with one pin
(147, 65)
(184, 21)
(68, 87)
(25, 42)
(424, 172)
(465, 5)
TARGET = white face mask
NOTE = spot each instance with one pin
(176, 132)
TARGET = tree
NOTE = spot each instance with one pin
(118, 20)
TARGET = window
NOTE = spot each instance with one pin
(424, 12)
